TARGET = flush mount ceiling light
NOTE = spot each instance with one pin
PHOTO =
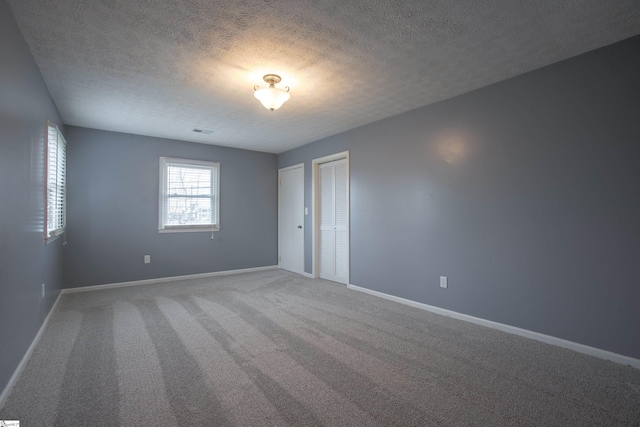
(271, 97)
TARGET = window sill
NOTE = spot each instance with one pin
(55, 236)
(207, 229)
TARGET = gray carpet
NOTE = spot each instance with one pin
(274, 348)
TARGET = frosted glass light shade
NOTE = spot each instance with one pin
(271, 97)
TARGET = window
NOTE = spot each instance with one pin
(56, 164)
(189, 195)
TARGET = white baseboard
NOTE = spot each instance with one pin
(166, 279)
(309, 275)
(581, 348)
(27, 355)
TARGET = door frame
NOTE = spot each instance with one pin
(288, 168)
(315, 205)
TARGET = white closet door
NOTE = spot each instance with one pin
(327, 223)
(334, 221)
(291, 219)
(341, 203)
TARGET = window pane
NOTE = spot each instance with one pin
(188, 211)
(56, 176)
(188, 193)
(188, 181)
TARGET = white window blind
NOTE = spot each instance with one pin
(189, 195)
(56, 182)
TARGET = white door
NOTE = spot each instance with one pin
(291, 219)
(334, 221)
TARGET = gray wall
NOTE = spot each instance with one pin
(526, 194)
(113, 210)
(25, 262)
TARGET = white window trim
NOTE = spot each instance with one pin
(162, 196)
(50, 236)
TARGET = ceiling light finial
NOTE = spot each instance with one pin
(272, 97)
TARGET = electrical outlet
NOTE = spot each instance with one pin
(147, 259)
(444, 282)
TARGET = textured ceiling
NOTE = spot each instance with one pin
(164, 67)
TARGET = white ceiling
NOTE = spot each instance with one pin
(164, 67)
